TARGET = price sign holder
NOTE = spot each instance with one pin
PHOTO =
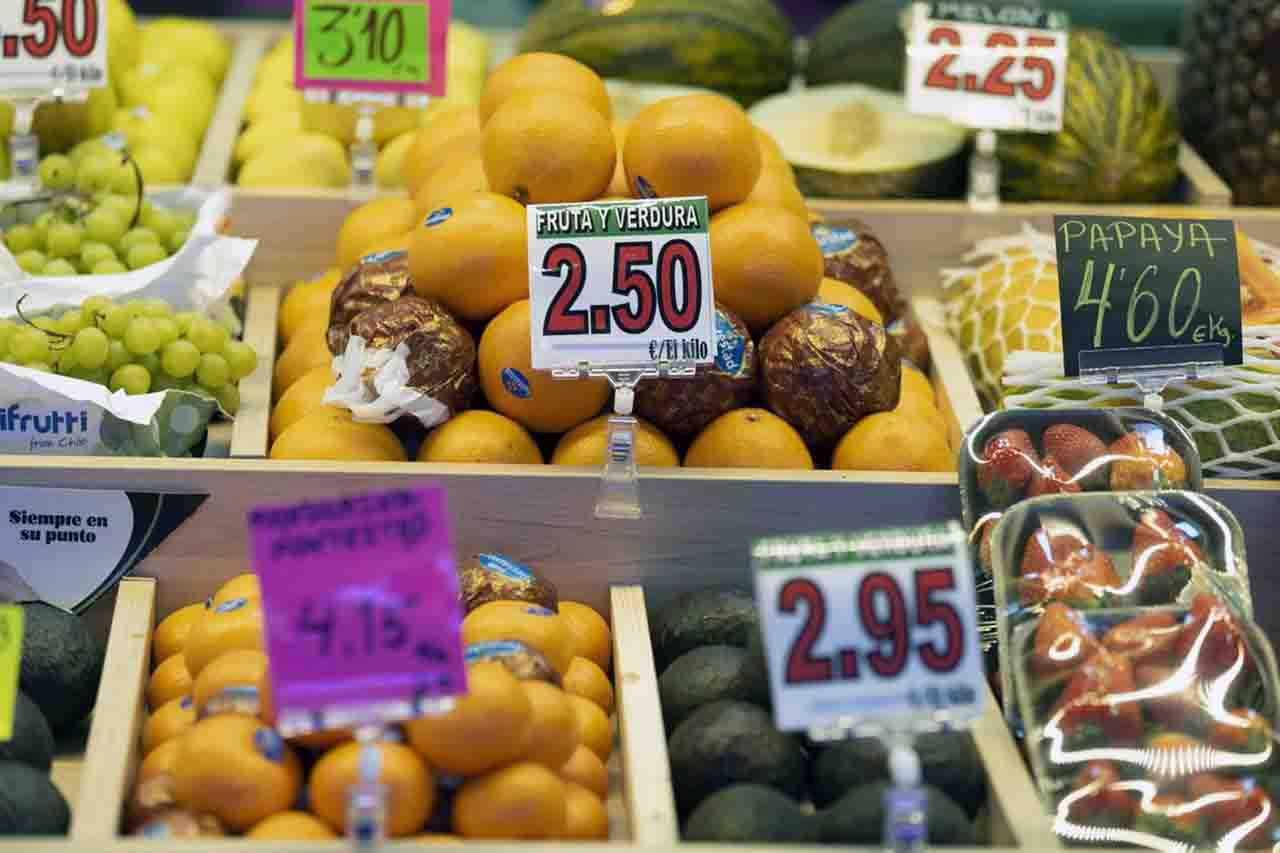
(10, 664)
(370, 54)
(990, 68)
(372, 635)
(1148, 301)
(48, 52)
(873, 634)
(621, 290)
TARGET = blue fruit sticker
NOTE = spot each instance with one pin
(535, 610)
(731, 347)
(493, 649)
(826, 308)
(437, 216)
(233, 604)
(383, 257)
(504, 566)
(833, 241)
(269, 744)
(515, 383)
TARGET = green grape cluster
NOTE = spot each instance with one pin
(135, 346)
(95, 220)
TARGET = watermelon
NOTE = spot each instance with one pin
(1119, 139)
(741, 48)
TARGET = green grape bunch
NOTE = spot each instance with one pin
(91, 217)
(137, 346)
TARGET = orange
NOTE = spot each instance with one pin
(472, 256)
(304, 396)
(455, 149)
(291, 826)
(618, 187)
(172, 631)
(169, 681)
(167, 722)
(236, 769)
(592, 638)
(515, 389)
(160, 760)
(914, 382)
(835, 292)
(524, 800)
(449, 184)
(411, 791)
(771, 156)
(233, 624)
(229, 684)
(694, 145)
(332, 433)
(371, 223)
(307, 300)
(749, 438)
(587, 444)
(585, 768)
(775, 188)
(448, 125)
(535, 626)
(593, 726)
(765, 261)
(893, 441)
(547, 146)
(243, 585)
(586, 817)
(546, 72)
(485, 729)
(307, 350)
(586, 679)
(319, 741)
(552, 735)
(480, 436)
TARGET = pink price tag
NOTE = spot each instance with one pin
(360, 604)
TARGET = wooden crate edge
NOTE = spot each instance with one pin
(948, 373)
(249, 436)
(1018, 817)
(650, 798)
(219, 144)
(118, 714)
(1204, 187)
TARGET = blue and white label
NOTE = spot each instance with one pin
(383, 257)
(437, 216)
(515, 383)
(731, 347)
(476, 652)
(504, 566)
(826, 308)
(36, 426)
(833, 241)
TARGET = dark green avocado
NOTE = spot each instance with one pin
(948, 760)
(708, 617)
(32, 741)
(61, 664)
(705, 675)
(29, 803)
(858, 818)
(728, 743)
(751, 813)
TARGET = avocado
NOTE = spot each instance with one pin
(751, 813)
(726, 743)
(707, 617)
(32, 741)
(858, 818)
(948, 760)
(704, 675)
(61, 664)
(29, 804)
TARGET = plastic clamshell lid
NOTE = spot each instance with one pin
(1149, 742)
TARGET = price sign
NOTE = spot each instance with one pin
(871, 628)
(621, 284)
(52, 44)
(395, 46)
(1147, 293)
(994, 69)
(360, 601)
(10, 665)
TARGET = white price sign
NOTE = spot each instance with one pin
(876, 628)
(52, 44)
(991, 69)
(621, 284)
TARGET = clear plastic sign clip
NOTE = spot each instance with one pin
(367, 800)
(364, 147)
(984, 174)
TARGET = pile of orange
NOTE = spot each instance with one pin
(544, 132)
(521, 755)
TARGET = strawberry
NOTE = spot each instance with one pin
(1241, 730)
(1097, 799)
(1230, 803)
(1006, 466)
(1170, 817)
(1212, 635)
(1062, 640)
(1163, 557)
(1064, 567)
(1081, 453)
(1143, 459)
(1173, 698)
(1051, 478)
(1089, 699)
(1146, 639)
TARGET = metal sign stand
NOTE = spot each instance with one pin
(619, 496)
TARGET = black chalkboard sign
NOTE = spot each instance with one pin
(1147, 293)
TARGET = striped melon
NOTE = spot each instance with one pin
(1119, 138)
(742, 48)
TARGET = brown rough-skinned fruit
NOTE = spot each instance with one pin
(1078, 451)
(823, 368)
(494, 577)
(377, 279)
(684, 406)
(522, 661)
(852, 253)
(442, 354)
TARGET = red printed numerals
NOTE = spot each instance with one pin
(78, 27)
(994, 82)
(881, 607)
